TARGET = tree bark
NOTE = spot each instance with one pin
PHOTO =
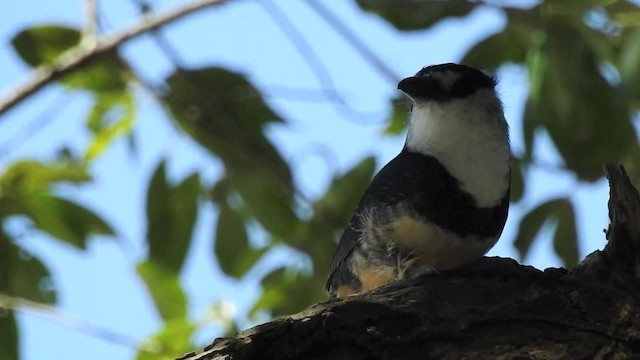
(494, 308)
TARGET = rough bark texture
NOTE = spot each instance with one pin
(493, 309)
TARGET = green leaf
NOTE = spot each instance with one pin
(223, 112)
(26, 275)
(9, 340)
(572, 7)
(416, 15)
(509, 45)
(399, 115)
(232, 248)
(29, 175)
(112, 116)
(531, 224)
(286, 292)
(624, 13)
(171, 216)
(517, 181)
(63, 219)
(345, 191)
(565, 240)
(174, 338)
(580, 129)
(629, 66)
(44, 45)
(331, 214)
(165, 289)
(269, 203)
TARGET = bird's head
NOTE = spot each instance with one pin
(451, 102)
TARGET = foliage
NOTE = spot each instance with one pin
(573, 97)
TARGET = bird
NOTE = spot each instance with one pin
(443, 201)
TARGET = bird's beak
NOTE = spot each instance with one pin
(416, 87)
(408, 85)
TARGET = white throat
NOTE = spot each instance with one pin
(470, 138)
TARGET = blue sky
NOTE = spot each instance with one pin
(99, 285)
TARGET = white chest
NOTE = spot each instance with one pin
(472, 144)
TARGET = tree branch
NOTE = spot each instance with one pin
(494, 308)
(81, 55)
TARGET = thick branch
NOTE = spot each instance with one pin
(494, 308)
(82, 55)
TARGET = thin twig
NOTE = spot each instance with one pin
(80, 56)
(315, 64)
(163, 43)
(353, 40)
(36, 124)
(91, 25)
(57, 316)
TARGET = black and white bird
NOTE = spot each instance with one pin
(443, 201)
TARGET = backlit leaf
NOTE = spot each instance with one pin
(63, 219)
(517, 181)
(29, 175)
(43, 44)
(173, 338)
(581, 111)
(416, 15)
(565, 240)
(346, 190)
(29, 278)
(165, 289)
(286, 291)
(531, 224)
(226, 115)
(399, 115)
(509, 45)
(9, 339)
(171, 215)
(112, 116)
(233, 251)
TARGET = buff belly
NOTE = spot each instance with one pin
(410, 247)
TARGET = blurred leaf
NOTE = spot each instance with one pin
(226, 114)
(232, 248)
(509, 45)
(629, 66)
(531, 224)
(517, 181)
(581, 127)
(9, 339)
(269, 203)
(29, 175)
(331, 214)
(345, 191)
(43, 44)
(400, 113)
(27, 276)
(63, 219)
(416, 15)
(286, 292)
(173, 339)
(113, 115)
(171, 215)
(565, 240)
(628, 18)
(624, 13)
(572, 7)
(165, 289)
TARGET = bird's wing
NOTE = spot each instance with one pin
(401, 180)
